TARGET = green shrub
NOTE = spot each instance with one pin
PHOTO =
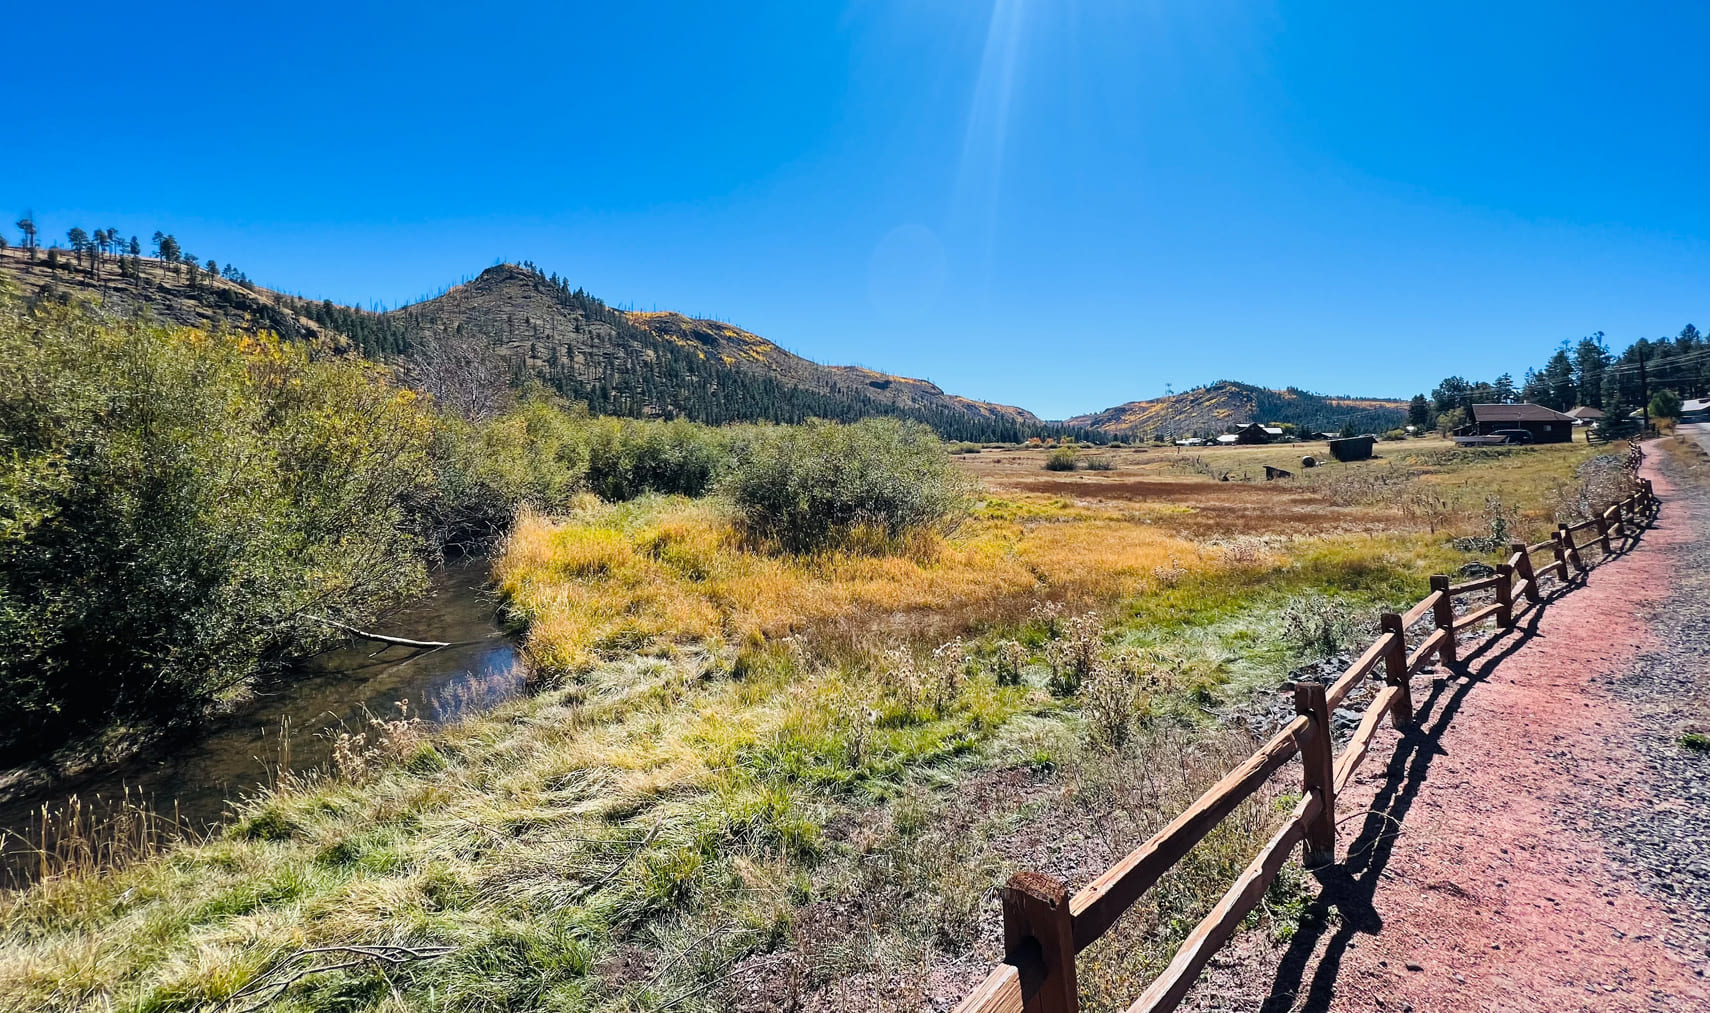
(1100, 464)
(820, 484)
(171, 501)
(628, 457)
(1061, 459)
(536, 453)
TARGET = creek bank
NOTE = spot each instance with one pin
(287, 724)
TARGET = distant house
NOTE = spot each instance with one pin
(1252, 432)
(1695, 410)
(1545, 424)
(1230, 439)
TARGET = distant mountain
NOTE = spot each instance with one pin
(670, 365)
(1215, 408)
(513, 325)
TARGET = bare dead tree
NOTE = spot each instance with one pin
(462, 372)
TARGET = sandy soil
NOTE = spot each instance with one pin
(1472, 879)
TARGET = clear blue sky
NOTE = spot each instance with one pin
(1062, 205)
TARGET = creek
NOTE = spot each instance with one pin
(290, 722)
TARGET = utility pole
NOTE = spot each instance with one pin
(1644, 389)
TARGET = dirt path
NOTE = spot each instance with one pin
(1485, 865)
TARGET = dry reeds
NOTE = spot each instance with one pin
(87, 837)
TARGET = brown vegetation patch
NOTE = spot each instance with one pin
(1190, 491)
(1221, 509)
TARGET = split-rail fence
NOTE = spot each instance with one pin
(1044, 927)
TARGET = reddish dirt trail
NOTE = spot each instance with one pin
(1471, 878)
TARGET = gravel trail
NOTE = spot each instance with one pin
(1538, 841)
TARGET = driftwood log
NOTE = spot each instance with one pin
(353, 631)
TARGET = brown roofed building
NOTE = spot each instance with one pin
(1545, 424)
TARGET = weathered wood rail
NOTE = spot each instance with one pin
(1044, 927)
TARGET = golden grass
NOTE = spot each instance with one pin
(611, 579)
(618, 842)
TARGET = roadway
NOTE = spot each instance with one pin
(1699, 431)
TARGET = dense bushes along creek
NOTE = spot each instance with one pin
(176, 504)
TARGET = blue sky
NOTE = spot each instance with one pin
(1063, 205)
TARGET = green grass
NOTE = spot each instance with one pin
(628, 837)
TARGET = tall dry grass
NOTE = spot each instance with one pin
(613, 579)
(87, 837)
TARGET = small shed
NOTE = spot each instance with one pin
(1352, 448)
(1545, 424)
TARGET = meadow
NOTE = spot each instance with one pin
(754, 778)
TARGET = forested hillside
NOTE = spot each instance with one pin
(1215, 408)
(474, 346)
(517, 322)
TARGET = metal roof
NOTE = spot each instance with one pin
(1517, 413)
(1586, 412)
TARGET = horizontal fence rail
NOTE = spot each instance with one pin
(1045, 927)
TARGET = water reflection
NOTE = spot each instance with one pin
(289, 724)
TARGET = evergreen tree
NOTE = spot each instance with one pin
(79, 241)
(1419, 412)
(1535, 389)
(1558, 376)
(27, 226)
(1591, 358)
(1502, 391)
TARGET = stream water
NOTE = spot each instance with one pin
(289, 724)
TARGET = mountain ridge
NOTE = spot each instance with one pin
(1217, 407)
(513, 324)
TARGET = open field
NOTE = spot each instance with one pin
(755, 779)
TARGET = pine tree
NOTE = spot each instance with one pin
(27, 226)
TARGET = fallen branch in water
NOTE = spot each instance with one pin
(272, 983)
(401, 641)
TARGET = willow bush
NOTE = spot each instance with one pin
(171, 501)
(821, 484)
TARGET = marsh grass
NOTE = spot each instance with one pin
(784, 774)
(609, 580)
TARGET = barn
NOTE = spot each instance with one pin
(1545, 424)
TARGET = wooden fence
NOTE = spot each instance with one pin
(1044, 927)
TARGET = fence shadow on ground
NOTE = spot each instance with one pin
(1348, 889)
(1045, 927)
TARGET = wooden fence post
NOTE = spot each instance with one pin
(1561, 554)
(1603, 535)
(1572, 550)
(1036, 914)
(1318, 773)
(1445, 617)
(1395, 670)
(1525, 571)
(1504, 595)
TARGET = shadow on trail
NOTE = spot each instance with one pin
(1348, 888)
